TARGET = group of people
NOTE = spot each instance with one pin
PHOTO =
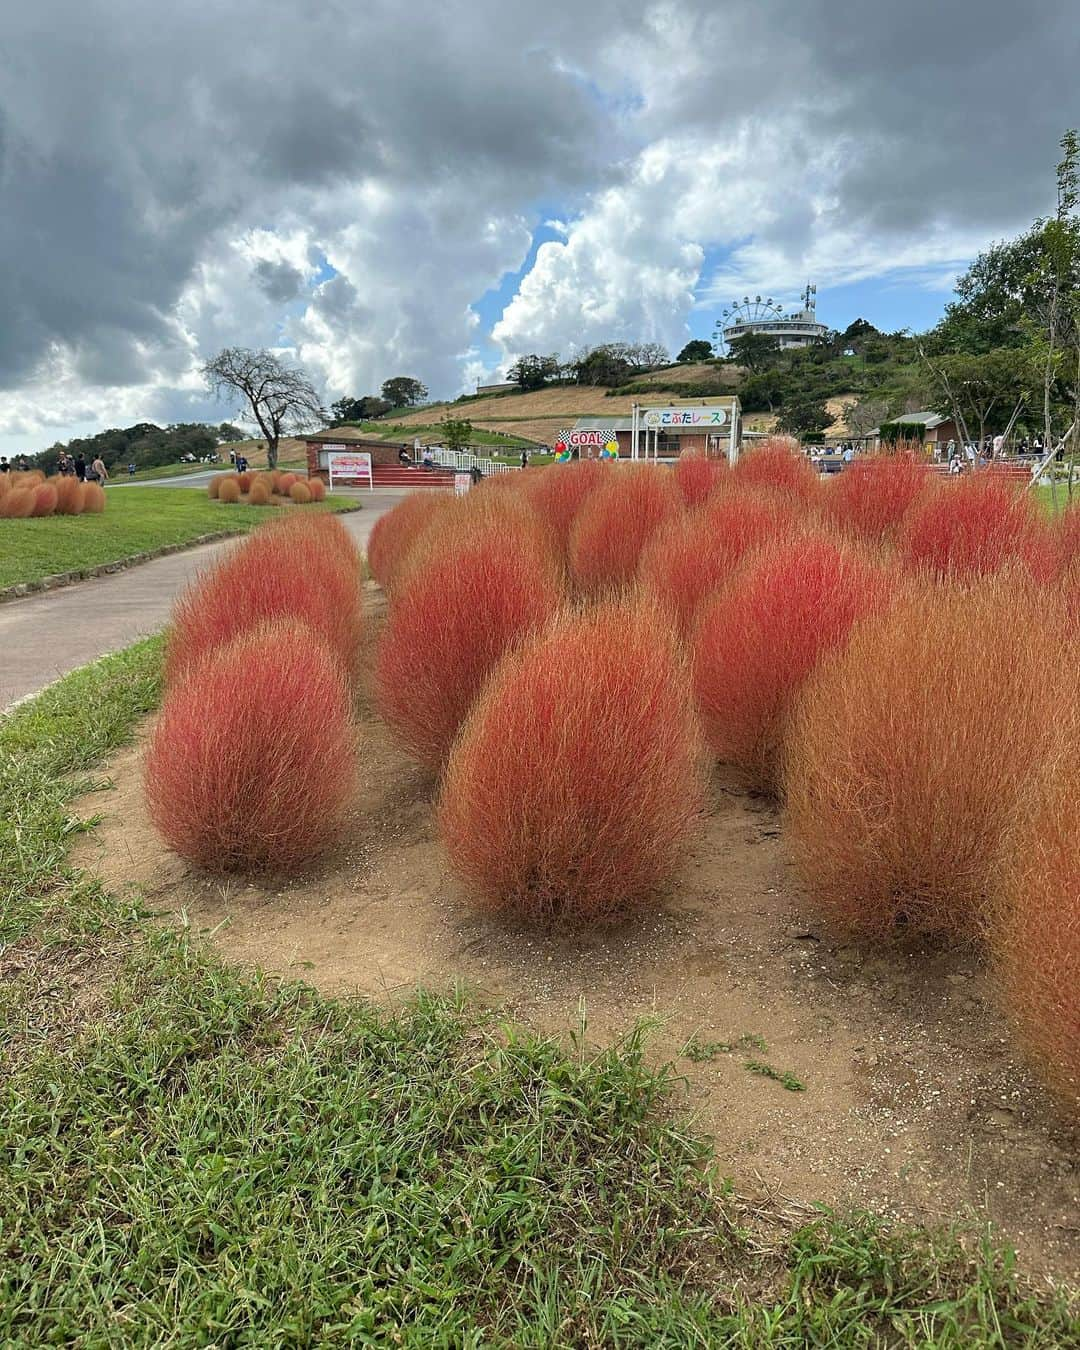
(21, 465)
(76, 467)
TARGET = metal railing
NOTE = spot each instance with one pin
(463, 460)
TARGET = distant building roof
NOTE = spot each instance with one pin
(924, 419)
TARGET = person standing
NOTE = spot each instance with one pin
(99, 468)
(524, 458)
(80, 467)
(5, 467)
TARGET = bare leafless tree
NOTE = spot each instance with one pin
(278, 398)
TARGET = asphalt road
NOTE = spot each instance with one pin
(46, 635)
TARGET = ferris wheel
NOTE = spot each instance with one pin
(751, 309)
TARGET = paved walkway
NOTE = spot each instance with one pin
(46, 635)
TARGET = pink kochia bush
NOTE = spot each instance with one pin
(252, 762)
(778, 463)
(575, 784)
(976, 526)
(873, 495)
(615, 523)
(697, 477)
(760, 637)
(452, 621)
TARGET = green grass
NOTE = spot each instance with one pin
(192, 1157)
(134, 520)
(396, 431)
(119, 473)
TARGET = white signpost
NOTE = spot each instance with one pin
(462, 483)
(352, 464)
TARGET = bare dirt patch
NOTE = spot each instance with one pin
(916, 1102)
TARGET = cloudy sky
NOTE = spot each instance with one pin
(431, 188)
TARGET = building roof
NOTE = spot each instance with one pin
(604, 424)
(930, 420)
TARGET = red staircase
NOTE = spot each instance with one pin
(398, 476)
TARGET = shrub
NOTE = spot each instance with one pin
(558, 491)
(317, 488)
(760, 637)
(44, 500)
(244, 480)
(285, 483)
(974, 527)
(1067, 540)
(614, 524)
(778, 463)
(575, 783)
(17, 503)
(214, 485)
(873, 495)
(905, 755)
(69, 495)
(278, 573)
(229, 491)
(686, 561)
(300, 493)
(259, 494)
(477, 513)
(698, 477)
(252, 763)
(452, 620)
(93, 495)
(1036, 936)
(395, 533)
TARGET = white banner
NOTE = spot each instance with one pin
(351, 464)
(685, 417)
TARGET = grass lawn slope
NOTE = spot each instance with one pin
(133, 521)
(190, 1156)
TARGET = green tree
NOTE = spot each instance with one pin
(402, 391)
(277, 397)
(359, 409)
(697, 350)
(806, 419)
(755, 351)
(456, 433)
(533, 371)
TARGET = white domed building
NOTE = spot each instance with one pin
(752, 314)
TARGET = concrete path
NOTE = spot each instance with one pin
(46, 635)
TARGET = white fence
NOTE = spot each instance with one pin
(463, 461)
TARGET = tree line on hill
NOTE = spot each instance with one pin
(146, 445)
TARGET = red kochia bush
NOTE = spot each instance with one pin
(44, 500)
(317, 488)
(973, 527)
(698, 477)
(259, 494)
(575, 783)
(214, 485)
(873, 495)
(909, 746)
(1068, 538)
(300, 493)
(778, 463)
(69, 495)
(229, 491)
(252, 763)
(686, 561)
(93, 498)
(1036, 934)
(296, 573)
(394, 534)
(17, 504)
(285, 482)
(244, 479)
(614, 524)
(451, 623)
(558, 491)
(760, 637)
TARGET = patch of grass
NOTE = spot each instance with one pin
(194, 1157)
(784, 1077)
(400, 431)
(701, 1052)
(134, 520)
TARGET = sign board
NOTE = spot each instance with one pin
(462, 483)
(350, 464)
(685, 417)
(596, 436)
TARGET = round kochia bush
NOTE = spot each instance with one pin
(614, 524)
(909, 747)
(452, 620)
(1036, 933)
(760, 637)
(872, 496)
(252, 762)
(977, 526)
(394, 534)
(575, 784)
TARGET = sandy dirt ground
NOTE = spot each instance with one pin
(914, 1102)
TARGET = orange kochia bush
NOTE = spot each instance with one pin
(778, 463)
(614, 524)
(576, 782)
(873, 495)
(909, 747)
(976, 526)
(394, 534)
(252, 762)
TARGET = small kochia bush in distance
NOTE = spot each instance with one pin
(873, 495)
(778, 463)
(1036, 930)
(760, 637)
(910, 745)
(452, 621)
(575, 784)
(252, 762)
